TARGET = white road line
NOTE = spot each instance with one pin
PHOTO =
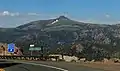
(43, 65)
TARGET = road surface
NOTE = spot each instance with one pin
(14, 66)
(47, 66)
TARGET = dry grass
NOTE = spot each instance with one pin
(108, 66)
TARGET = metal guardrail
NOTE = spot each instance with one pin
(30, 57)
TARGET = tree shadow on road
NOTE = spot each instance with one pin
(4, 65)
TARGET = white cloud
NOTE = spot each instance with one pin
(107, 16)
(118, 22)
(15, 14)
(88, 21)
(7, 13)
(33, 14)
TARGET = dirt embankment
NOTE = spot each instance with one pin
(108, 66)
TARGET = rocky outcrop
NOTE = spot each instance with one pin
(66, 58)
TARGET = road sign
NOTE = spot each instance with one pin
(34, 48)
(11, 47)
(31, 45)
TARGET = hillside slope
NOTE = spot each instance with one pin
(63, 30)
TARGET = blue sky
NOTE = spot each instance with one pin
(16, 12)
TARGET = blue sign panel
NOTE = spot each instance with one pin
(11, 47)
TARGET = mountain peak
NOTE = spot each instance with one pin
(62, 18)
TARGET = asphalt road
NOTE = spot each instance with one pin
(47, 66)
(26, 67)
(14, 66)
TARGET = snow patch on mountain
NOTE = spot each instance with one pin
(54, 21)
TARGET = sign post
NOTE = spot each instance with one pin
(31, 47)
(31, 53)
(34, 49)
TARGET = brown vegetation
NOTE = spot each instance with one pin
(108, 66)
(4, 50)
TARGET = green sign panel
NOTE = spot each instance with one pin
(34, 48)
